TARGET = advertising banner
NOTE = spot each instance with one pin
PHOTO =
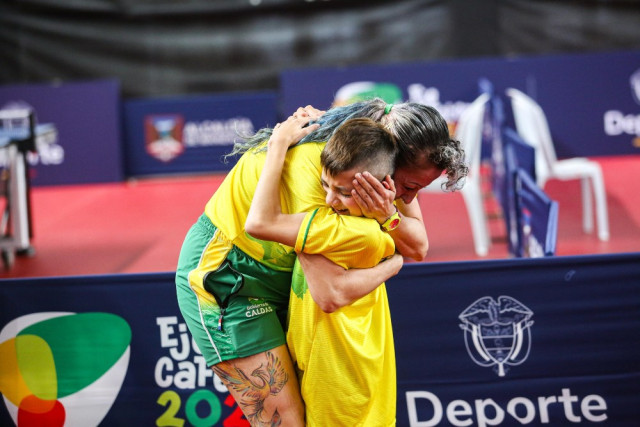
(547, 341)
(552, 341)
(109, 350)
(187, 135)
(86, 145)
(592, 101)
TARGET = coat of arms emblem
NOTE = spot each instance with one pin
(497, 333)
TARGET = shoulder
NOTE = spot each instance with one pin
(325, 232)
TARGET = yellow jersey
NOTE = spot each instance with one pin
(300, 191)
(345, 359)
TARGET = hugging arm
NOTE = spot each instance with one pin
(265, 220)
(411, 235)
(332, 287)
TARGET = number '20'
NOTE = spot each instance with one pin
(172, 401)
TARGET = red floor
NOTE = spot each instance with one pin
(138, 226)
(450, 235)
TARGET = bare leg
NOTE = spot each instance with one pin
(265, 387)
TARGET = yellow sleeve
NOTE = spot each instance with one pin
(300, 191)
(351, 242)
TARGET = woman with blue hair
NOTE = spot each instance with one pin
(233, 290)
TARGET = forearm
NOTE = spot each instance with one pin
(265, 219)
(265, 206)
(410, 237)
(332, 287)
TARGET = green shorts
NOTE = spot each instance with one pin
(233, 305)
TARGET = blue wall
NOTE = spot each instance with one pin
(592, 102)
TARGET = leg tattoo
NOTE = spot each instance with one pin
(254, 390)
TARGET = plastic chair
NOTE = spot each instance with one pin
(469, 133)
(537, 218)
(532, 125)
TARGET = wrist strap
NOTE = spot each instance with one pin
(392, 222)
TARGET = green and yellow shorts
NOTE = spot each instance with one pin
(233, 305)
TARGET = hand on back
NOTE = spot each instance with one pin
(291, 130)
(309, 111)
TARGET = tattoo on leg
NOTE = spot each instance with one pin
(254, 390)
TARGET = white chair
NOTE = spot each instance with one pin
(469, 133)
(533, 127)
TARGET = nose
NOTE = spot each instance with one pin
(331, 199)
(407, 197)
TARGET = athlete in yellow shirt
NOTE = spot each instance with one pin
(233, 290)
(345, 359)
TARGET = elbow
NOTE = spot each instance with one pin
(337, 299)
(421, 254)
(329, 300)
(416, 253)
(333, 303)
(254, 228)
(328, 306)
(425, 251)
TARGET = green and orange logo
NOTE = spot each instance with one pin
(61, 369)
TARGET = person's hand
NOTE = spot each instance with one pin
(291, 130)
(397, 261)
(309, 111)
(374, 197)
